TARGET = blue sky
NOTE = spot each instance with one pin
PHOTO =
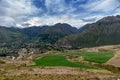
(24, 13)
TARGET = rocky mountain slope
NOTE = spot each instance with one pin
(50, 34)
(59, 36)
(38, 39)
(104, 32)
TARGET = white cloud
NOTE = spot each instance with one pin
(13, 11)
(18, 12)
(102, 5)
(7, 21)
(48, 20)
(56, 6)
(117, 12)
(106, 5)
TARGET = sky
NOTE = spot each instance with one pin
(26, 13)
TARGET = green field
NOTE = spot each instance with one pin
(59, 60)
(98, 57)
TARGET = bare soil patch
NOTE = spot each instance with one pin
(115, 61)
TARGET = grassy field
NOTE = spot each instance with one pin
(98, 57)
(57, 66)
(58, 60)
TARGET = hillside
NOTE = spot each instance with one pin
(10, 34)
(42, 38)
(98, 63)
(104, 32)
(50, 34)
(10, 41)
(37, 39)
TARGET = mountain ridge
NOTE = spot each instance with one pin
(105, 31)
(12, 39)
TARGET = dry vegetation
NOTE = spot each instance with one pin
(53, 73)
(115, 61)
(20, 69)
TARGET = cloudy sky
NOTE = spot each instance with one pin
(23, 13)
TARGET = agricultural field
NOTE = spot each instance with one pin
(59, 66)
(98, 57)
(58, 60)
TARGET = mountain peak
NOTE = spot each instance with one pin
(110, 18)
(62, 24)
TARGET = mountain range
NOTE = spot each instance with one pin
(105, 31)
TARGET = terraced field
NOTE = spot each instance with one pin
(98, 57)
(59, 66)
(62, 59)
(58, 60)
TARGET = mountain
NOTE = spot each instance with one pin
(10, 40)
(10, 35)
(106, 31)
(37, 39)
(64, 29)
(83, 28)
(33, 31)
(50, 34)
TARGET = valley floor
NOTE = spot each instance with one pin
(22, 69)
